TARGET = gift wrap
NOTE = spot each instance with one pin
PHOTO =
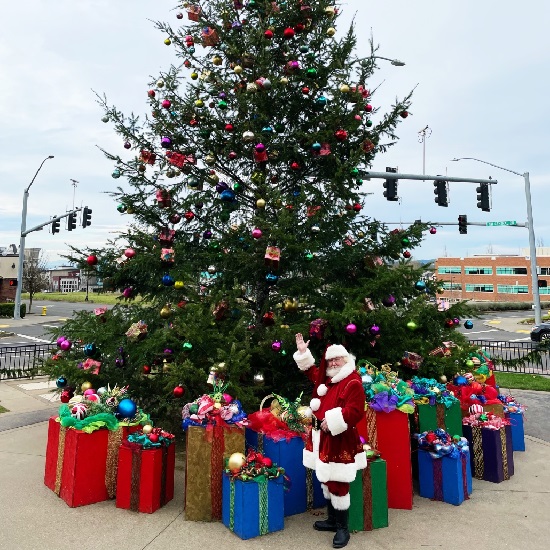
(305, 491)
(431, 417)
(491, 453)
(81, 467)
(369, 498)
(253, 508)
(206, 451)
(518, 433)
(145, 479)
(389, 433)
(445, 478)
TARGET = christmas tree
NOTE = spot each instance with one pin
(248, 216)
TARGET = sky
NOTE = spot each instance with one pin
(480, 73)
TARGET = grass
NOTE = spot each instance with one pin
(516, 381)
(108, 298)
(531, 320)
(3, 410)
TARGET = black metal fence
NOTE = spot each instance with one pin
(22, 361)
(506, 351)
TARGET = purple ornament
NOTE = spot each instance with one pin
(221, 186)
(127, 292)
(276, 346)
(66, 345)
(168, 351)
(389, 300)
(166, 142)
(374, 330)
(222, 95)
(127, 145)
(260, 148)
(119, 362)
(256, 233)
(60, 340)
(351, 328)
(456, 321)
(293, 65)
(207, 234)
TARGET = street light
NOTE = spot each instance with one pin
(394, 62)
(17, 308)
(532, 247)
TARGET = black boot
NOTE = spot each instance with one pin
(328, 524)
(342, 533)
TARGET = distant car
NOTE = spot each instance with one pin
(541, 333)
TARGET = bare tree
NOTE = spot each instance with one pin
(35, 277)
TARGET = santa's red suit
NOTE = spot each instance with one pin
(335, 455)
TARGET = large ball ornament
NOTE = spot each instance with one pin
(129, 252)
(91, 260)
(260, 203)
(59, 340)
(470, 364)
(351, 328)
(178, 391)
(90, 350)
(276, 346)
(179, 285)
(147, 429)
(256, 233)
(460, 380)
(86, 386)
(127, 408)
(443, 379)
(236, 461)
(433, 230)
(61, 382)
(168, 280)
(66, 345)
(406, 254)
(374, 330)
(305, 414)
(166, 312)
(476, 409)
(267, 462)
(468, 324)
(331, 31)
(259, 379)
(153, 437)
(420, 285)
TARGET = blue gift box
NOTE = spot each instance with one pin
(304, 490)
(491, 453)
(447, 478)
(251, 509)
(518, 433)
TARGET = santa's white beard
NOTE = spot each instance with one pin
(333, 371)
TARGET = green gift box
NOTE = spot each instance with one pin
(432, 417)
(369, 498)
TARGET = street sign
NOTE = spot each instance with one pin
(501, 223)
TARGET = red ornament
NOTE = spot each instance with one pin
(289, 33)
(179, 15)
(232, 155)
(129, 252)
(151, 93)
(406, 254)
(433, 230)
(91, 259)
(153, 437)
(449, 323)
(146, 369)
(166, 103)
(178, 391)
(229, 127)
(189, 215)
(294, 165)
(357, 207)
(341, 135)
(368, 108)
(267, 462)
(193, 122)
(66, 396)
(305, 90)
(268, 34)
(299, 27)
(404, 114)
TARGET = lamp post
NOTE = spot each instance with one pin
(17, 308)
(532, 246)
(394, 62)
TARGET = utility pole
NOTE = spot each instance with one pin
(424, 134)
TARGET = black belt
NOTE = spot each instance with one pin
(315, 423)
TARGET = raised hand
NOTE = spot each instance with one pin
(300, 344)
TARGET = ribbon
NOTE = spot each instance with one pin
(440, 412)
(163, 475)
(438, 480)
(232, 505)
(372, 432)
(60, 453)
(367, 499)
(263, 519)
(309, 489)
(216, 465)
(113, 443)
(479, 466)
(504, 453)
(136, 478)
(465, 476)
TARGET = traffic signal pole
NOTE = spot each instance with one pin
(394, 175)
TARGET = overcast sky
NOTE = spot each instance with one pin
(481, 72)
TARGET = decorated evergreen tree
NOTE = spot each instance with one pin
(247, 216)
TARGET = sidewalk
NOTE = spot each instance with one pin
(497, 516)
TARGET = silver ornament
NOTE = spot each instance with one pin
(259, 379)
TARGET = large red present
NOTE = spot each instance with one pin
(81, 467)
(206, 451)
(145, 479)
(389, 433)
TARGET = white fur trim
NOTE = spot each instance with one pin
(314, 404)
(304, 360)
(326, 492)
(322, 390)
(335, 471)
(361, 460)
(336, 350)
(335, 421)
(345, 371)
(310, 458)
(340, 503)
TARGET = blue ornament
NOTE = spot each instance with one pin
(228, 195)
(126, 408)
(420, 285)
(468, 324)
(321, 101)
(316, 146)
(271, 279)
(168, 280)
(191, 49)
(116, 173)
(61, 382)
(90, 350)
(460, 381)
(267, 130)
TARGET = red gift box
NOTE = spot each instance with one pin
(145, 479)
(81, 467)
(389, 433)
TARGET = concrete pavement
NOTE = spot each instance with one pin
(497, 516)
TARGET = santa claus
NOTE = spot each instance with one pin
(334, 449)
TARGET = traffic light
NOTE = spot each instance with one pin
(484, 197)
(55, 227)
(86, 217)
(391, 186)
(13, 282)
(441, 190)
(463, 224)
(72, 221)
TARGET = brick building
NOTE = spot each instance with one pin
(493, 278)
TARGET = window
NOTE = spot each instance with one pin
(448, 269)
(512, 289)
(545, 270)
(511, 271)
(452, 286)
(478, 271)
(544, 290)
(479, 288)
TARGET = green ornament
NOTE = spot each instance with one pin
(187, 346)
(121, 208)
(411, 325)
(237, 187)
(222, 104)
(405, 241)
(354, 172)
(193, 182)
(469, 363)
(116, 173)
(279, 127)
(283, 353)
(309, 256)
(304, 49)
(205, 132)
(312, 73)
(368, 123)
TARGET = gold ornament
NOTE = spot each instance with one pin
(443, 379)
(260, 203)
(147, 429)
(167, 41)
(210, 159)
(217, 60)
(178, 284)
(236, 460)
(331, 31)
(238, 69)
(166, 311)
(199, 103)
(86, 386)
(276, 409)
(344, 88)
(160, 83)
(305, 414)
(284, 80)
(290, 305)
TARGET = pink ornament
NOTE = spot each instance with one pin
(374, 330)
(66, 345)
(256, 233)
(60, 340)
(276, 346)
(351, 328)
(127, 292)
(433, 230)
(260, 147)
(227, 398)
(93, 397)
(166, 103)
(129, 252)
(89, 392)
